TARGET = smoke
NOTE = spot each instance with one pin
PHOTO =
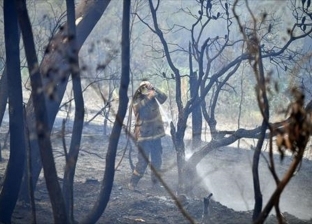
(227, 174)
(165, 117)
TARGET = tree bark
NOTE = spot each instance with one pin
(89, 11)
(15, 167)
(109, 173)
(255, 173)
(3, 99)
(3, 93)
(41, 118)
(72, 156)
(264, 107)
(196, 113)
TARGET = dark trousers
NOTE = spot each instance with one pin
(152, 150)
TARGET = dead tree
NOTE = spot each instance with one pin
(206, 215)
(15, 167)
(108, 178)
(87, 13)
(41, 120)
(72, 155)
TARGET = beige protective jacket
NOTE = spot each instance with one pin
(149, 124)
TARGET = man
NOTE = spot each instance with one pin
(149, 129)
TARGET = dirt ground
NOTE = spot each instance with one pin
(147, 205)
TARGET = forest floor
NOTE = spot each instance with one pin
(147, 205)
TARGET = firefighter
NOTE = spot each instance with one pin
(148, 131)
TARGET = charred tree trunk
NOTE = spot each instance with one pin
(178, 142)
(89, 11)
(3, 93)
(42, 129)
(205, 215)
(184, 170)
(255, 174)
(264, 108)
(196, 113)
(109, 173)
(15, 167)
(72, 156)
(3, 99)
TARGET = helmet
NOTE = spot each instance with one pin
(145, 87)
(147, 83)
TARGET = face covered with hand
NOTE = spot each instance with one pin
(145, 87)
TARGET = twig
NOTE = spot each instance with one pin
(63, 139)
(92, 153)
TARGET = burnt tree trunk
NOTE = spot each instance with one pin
(3, 93)
(196, 113)
(42, 129)
(255, 173)
(177, 139)
(3, 99)
(261, 85)
(15, 167)
(107, 182)
(72, 156)
(90, 11)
